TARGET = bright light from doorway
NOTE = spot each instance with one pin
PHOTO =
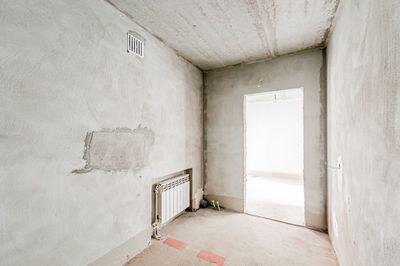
(274, 155)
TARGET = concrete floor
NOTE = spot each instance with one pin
(240, 238)
(276, 198)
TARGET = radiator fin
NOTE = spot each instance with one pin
(174, 197)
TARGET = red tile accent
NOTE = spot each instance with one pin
(208, 256)
(175, 243)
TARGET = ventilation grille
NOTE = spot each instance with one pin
(135, 44)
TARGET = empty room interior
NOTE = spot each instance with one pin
(235, 132)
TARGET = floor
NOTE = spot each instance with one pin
(280, 198)
(236, 239)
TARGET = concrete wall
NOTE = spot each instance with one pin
(70, 90)
(224, 147)
(364, 129)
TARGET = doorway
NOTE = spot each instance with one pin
(274, 186)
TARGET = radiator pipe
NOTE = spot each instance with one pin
(213, 203)
(156, 230)
(156, 190)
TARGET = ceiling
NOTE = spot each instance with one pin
(219, 33)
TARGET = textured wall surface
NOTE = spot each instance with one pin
(64, 73)
(224, 147)
(117, 149)
(215, 34)
(364, 129)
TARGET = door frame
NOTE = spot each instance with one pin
(245, 143)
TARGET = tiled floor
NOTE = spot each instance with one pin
(237, 239)
(276, 198)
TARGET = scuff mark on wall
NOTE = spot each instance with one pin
(116, 149)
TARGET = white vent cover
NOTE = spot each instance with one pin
(135, 44)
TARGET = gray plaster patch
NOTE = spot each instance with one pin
(116, 149)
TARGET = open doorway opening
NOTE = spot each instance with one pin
(274, 155)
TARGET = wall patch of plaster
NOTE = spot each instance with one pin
(116, 149)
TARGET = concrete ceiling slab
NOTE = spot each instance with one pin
(214, 34)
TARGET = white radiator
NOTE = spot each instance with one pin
(172, 197)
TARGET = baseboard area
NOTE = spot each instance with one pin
(125, 252)
(315, 221)
(230, 203)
